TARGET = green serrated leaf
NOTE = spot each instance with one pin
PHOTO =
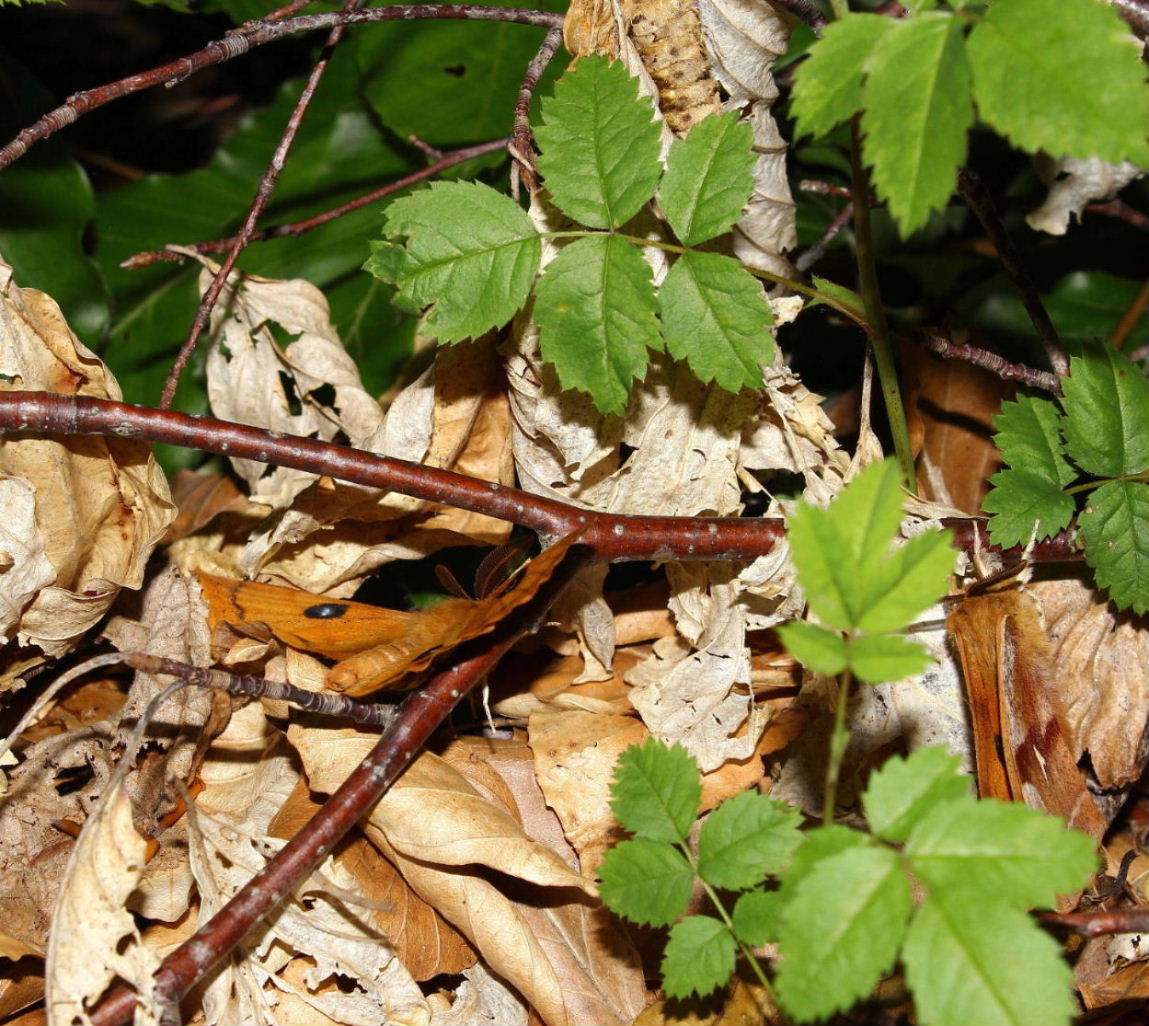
(1106, 407)
(918, 111)
(816, 647)
(881, 657)
(600, 144)
(699, 957)
(471, 257)
(820, 843)
(1114, 528)
(902, 791)
(969, 960)
(828, 84)
(841, 929)
(596, 311)
(843, 555)
(1028, 59)
(1029, 437)
(709, 178)
(715, 316)
(657, 791)
(646, 881)
(1007, 851)
(1018, 501)
(757, 917)
(745, 839)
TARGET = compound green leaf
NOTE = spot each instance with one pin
(828, 84)
(1029, 437)
(911, 579)
(646, 881)
(1007, 851)
(657, 791)
(918, 111)
(1019, 500)
(820, 843)
(969, 960)
(600, 144)
(709, 178)
(715, 316)
(880, 657)
(471, 256)
(757, 917)
(745, 839)
(841, 929)
(815, 647)
(699, 957)
(1029, 59)
(1106, 413)
(596, 310)
(1115, 531)
(902, 791)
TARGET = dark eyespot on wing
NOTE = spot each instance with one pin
(326, 611)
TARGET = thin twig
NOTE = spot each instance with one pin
(811, 256)
(991, 362)
(978, 199)
(1135, 12)
(369, 714)
(263, 194)
(817, 187)
(1101, 923)
(417, 719)
(244, 39)
(522, 139)
(1122, 211)
(279, 231)
(1134, 315)
(612, 537)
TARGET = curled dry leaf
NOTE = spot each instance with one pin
(1074, 183)
(94, 937)
(545, 935)
(86, 512)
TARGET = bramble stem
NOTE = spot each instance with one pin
(883, 347)
(838, 741)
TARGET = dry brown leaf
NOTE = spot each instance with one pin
(86, 512)
(200, 498)
(950, 406)
(21, 985)
(425, 943)
(1130, 983)
(1101, 658)
(550, 940)
(747, 1005)
(94, 937)
(1022, 741)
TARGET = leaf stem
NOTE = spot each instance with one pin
(838, 741)
(752, 959)
(1089, 486)
(875, 313)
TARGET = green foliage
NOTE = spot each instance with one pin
(1099, 428)
(598, 312)
(1022, 63)
(600, 145)
(845, 909)
(856, 582)
(470, 257)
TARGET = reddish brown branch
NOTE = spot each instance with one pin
(991, 362)
(522, 139)
(280, 231)
(1102, 923)
(245, 38)
(1122, 211)
(417, 719)
(977, 197)
(263, 194)
(612, 537)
